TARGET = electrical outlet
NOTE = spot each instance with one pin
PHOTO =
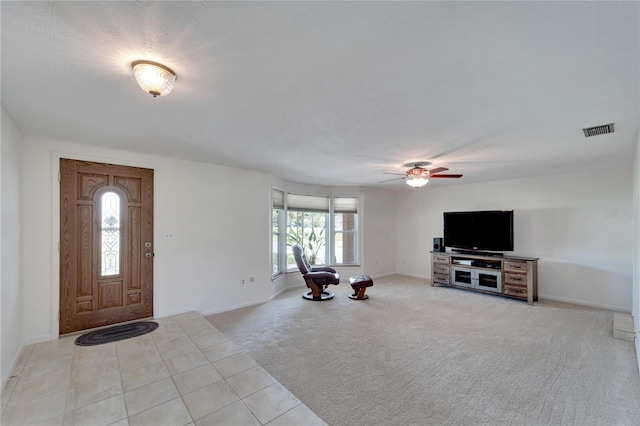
(251, 279)
(242, 282)
(168, 236)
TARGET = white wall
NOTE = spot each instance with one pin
(636, 259)
(578, 225)
(379, 229)
(12, 294)
(218, 216)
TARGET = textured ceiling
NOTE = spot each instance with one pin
(334, 93)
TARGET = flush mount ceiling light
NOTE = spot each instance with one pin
(154, 78)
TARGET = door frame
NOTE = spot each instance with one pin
(55, 224)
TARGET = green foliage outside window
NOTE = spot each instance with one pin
(308, 230)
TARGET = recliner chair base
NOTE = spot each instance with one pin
(325, 295)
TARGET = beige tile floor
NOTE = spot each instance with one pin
(184, 373)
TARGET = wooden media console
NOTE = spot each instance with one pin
(509, 276)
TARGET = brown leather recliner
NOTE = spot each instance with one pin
(317, 277)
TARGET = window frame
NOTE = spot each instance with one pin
(351, 207)
(329, 230)
(308, 205)
(281, 240)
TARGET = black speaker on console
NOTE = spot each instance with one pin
(438, 245)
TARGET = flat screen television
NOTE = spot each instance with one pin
(490, 230)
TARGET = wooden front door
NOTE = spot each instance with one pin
(106, 244)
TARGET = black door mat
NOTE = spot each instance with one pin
(116, 333)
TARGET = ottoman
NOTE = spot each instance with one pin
(359, 283)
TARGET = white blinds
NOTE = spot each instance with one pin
(345, 205)
(307, 203)
(278, 199)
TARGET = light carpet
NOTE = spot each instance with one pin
(413, 354)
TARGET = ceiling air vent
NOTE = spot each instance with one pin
(598, 130)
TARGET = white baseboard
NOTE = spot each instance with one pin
(303, 285)
(622, 309)
(14, 362)
(638, 350)
(175, 312)
(375, 277)
(39, 339)
(413, 276)
(234, 307)
(278, 293)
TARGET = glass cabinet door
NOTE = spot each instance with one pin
(489, 280)
(463, 277)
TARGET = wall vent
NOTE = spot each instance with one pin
(598, 130)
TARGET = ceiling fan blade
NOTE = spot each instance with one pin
(445, 176)
(389, 173)
(437, 170)
(389, 180)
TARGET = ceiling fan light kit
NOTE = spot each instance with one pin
(418, 176)
(416, 181)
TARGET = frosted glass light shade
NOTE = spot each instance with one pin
(154, 78)
(416, 181)
(417, 177)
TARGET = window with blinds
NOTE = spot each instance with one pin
(326, 227)
(307, 223)
(345, 230)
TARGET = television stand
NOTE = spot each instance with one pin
(508, 276)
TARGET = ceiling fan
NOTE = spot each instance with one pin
(417, 176)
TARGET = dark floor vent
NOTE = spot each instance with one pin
(598, 130)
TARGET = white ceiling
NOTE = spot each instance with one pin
(334, 93)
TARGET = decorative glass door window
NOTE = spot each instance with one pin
(110, 224)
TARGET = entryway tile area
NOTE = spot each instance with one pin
(184, 373)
